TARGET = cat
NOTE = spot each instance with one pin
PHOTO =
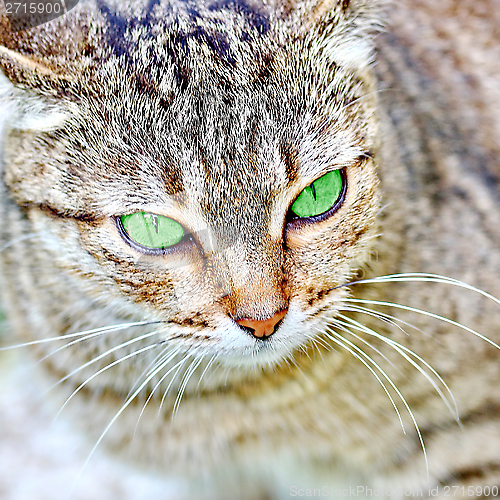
(255, 248)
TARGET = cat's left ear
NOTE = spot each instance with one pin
(341, 30)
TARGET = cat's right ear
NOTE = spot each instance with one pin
(34, 72)
(24, 108)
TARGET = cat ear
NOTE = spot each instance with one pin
(22, 107)
(340, 30)
(33, 70)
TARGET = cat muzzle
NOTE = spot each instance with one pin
(263, 328)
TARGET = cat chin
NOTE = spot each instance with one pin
(267, 355)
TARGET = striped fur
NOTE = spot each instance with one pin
(218, 115)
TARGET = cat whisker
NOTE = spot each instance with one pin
(349, 347)
(425, 313)
(365, 96)
(288, 362)
(291, 359)
(338, 339)
(387, 318)
(304, 350)
(104, 354)
(189, 373)
(227, 371)
(435, 278)
(163, 363)
(402, 350)
(102, 370)
(18, 240)
(170, 384)
(419, 277)
(209, 364)
(344, 325)
(73, 342)
(331, 87)
(325, 344)
(120, 411)
(158, 357)
(314, 343)
(397, 346)
(91, 333)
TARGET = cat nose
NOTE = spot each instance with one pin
(263, 328)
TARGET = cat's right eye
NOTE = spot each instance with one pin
(151, 231)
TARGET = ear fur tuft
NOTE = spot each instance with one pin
(35, 65)
(341, 30)
(23, 106)
(345, 30)
(24, 110)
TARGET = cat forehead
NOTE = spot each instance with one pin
(220, 149)
(223, 145)
(211, 104)
(230, 120)
(183, 45)
(190, 37)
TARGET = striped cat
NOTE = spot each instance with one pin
(254, 249)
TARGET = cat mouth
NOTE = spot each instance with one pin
(245, 349)
(264, 353)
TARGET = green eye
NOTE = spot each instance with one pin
(320, 196)
(152, 231)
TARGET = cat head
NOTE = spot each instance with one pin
(214, 164)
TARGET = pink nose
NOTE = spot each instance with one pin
(262, 328)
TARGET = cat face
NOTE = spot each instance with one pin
(216, 133)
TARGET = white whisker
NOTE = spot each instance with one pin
(189, 373)
(338, 339)
(163, 362)
(291, 359)
(388, 318)
(104, 354)
(344, 325)
(425, 313)
(303, 349)
(423, 277)
(398, 392)
(167, 390)
(314, 341)
(209, 364)
(91, 333)
(397, 346)
(157, 358)
(102, 370)
(118, 413)
(205, 371)
(19, 239)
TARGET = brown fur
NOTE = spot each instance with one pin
(221, 129)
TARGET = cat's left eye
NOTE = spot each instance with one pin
(323, 195)
(151, 231)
